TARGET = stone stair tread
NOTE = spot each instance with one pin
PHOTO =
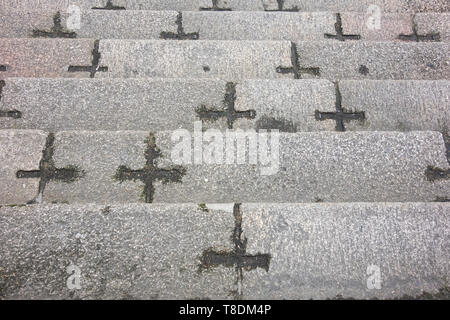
(306, 167)
(170, 104)
(167, 251)
(218, 25)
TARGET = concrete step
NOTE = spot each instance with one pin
(243, 5)
(191, 251)
(179, 166)
(227, 60)
(170, 104)
(222, 25)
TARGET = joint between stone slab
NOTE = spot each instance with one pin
(340, 36)
(14, 114)
(215, 7)
(57, 31)
(280, 4)
(341, 115)
(229, 112)
(238, 258)
(95, 67)
(48, 172)
(109, 6)
(150, 173)
(180, 35)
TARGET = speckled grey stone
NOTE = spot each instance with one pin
(398, 105)
(231, 60)
(384, 60)
(240, 5)
(390, 27)
(122, 252)
(428, 23)
(94, 24)
(259, 25)
(162, 104)
(325, 166)
(44, 57)
(322, 251)
(108, 104)
(20, 150)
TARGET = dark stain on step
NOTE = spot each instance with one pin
(281, 124)
(109, 6)
(363, 70)
(48, 172)
(57, 30)
(14, 114)
(150, 173)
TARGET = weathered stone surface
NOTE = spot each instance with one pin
(429, 23)
(94, 24)
(259, 25)
(162, 104)
(327, 166)
(229, 60)
(44, 57)
(398, 105)
(322, 251)
(376, 60)
(389, 28)
(247, 5)
(122, 252)
(20, 150)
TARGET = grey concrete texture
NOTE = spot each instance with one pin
(398, 105)
(94, 24)
(20, 150)
(313, 167)
(326, 251)
(243, 5)
(376, 60)
(162, 104)
(428, 23)
(305, 26)
(230, 60)
(122, 252)
(390, 27)
(44, 57)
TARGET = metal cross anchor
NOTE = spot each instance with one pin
(150, 173)
(215, 7)
(48, 172)
(95, 67)
(340, 115)
(340, 32)
(229, 112)
(57, 30)
(15, 114)
(238, 258)
(180, 35)
(296, 70)
(109, 6)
